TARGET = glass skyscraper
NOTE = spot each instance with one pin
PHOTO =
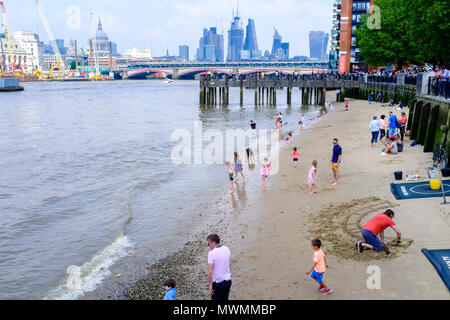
(235, 39)
(184, 52)
(277, 39)
(251, 43)
(210, 46)
(318, 44)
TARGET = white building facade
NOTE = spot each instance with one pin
(18, 58)
(29, 41)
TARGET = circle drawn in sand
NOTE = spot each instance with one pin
(339, 226)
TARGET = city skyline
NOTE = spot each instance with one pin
(177, 23)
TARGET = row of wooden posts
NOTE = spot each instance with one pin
(212, 96)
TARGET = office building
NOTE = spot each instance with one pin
(184, 52)
(251, 50)
(211, 46)
(235, 39)
(318, 44)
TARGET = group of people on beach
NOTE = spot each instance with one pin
(394, 130)
(219, 274)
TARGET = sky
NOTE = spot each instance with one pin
(165, 24)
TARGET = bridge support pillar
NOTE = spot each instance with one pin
(274, 96)
(227, 102)
(220, 95)
(241, 98)
(262, 95)
(256, 96)
(202, 96)
(259, 96)
(289, 93)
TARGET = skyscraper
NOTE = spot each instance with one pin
(235, 39)
(251, 43)
(318, 44)
(277, 39)
(210, 46)
(285, 48)
(184, 52)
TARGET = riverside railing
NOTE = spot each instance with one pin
(439, 87)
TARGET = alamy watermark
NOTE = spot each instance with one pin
(73, 21)
(374, 21)
(374, 280)
(213, 146)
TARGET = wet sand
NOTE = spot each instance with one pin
(269, 233)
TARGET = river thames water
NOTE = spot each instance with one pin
(87, 177)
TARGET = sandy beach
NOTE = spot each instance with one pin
(269, 233)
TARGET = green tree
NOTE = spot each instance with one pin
(389, 44)
(412, 32)
(431, 31)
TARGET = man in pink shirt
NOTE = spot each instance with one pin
(219, 275)
(403, 120)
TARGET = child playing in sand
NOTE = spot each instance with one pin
(346, 106)
(288, 140)
(238, 166)
(295, 156)
(171, 293)
(312, 177)
(231, 175)
(265, 172)
(320, 266)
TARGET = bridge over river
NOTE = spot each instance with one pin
(192, 70)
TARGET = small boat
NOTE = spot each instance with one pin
(10, 85)
(168, 81)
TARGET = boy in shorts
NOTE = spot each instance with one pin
(320, 266)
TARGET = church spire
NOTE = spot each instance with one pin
(99, 24)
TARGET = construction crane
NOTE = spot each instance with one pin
(8, 38)
(94, 40)
(48, 28)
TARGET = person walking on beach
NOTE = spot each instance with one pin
(265, 172)
(336, 161)
(253, 126)
(295, 156)
(370, 98)
(288, 140)
(219, 274)
(375, 227)
(250, 158)
(171, 292)
(319, 267)
(346, 105)
(312, 180)
(375, 128)
(301, 124)
(231, 175)
(382, 127)
(238, 166)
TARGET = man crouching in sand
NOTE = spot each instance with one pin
(376, 227)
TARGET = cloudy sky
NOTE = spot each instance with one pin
(166, 24)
